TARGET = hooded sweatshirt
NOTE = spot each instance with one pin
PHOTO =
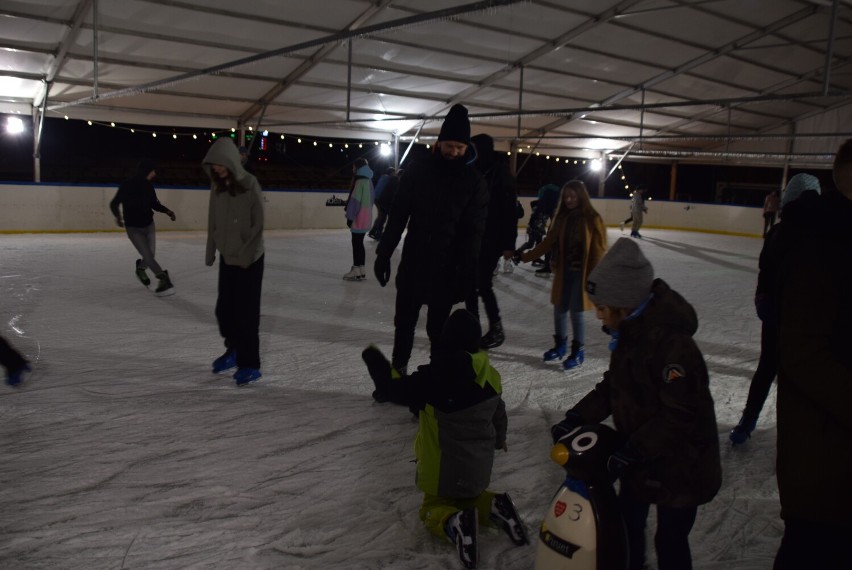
(234, 222)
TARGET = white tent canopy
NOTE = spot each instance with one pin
(756, 81)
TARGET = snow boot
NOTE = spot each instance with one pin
(165, 286)
(461, 529)
(141, 274)
(494, 337)
(355, 274)
(742, 431)
(558, 351)
(245, 375)
(225, 362)
(505, 515)
(576, 358)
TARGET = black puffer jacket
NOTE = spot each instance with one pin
(138, 200)
(657, 391)
(444, 205)
(501, 228)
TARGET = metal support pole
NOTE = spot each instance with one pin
(673, 182)
(95, 48)
(396, 151)
(349, 81)
(829, 50)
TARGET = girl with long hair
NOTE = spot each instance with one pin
(577, 241)
(359, 215)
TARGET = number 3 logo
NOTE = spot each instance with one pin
(576, 512)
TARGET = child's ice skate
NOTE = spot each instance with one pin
(461, 529)
(504, 515)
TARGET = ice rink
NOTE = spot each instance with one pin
(123, 450)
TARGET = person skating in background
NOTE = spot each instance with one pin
(766, 301)
(637, 212)
(543, 208)
(138, 201)
(235, 230)
(498, 241)
(657, 392)
(359, 215)
(245, 160)
(771, 207)
(814, 462)
(443, 202)
(15, 364)
(577, 238)
(385, 191)
(462, 421)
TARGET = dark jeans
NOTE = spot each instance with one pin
(359, 256)
(808, 544)
(767, 368)
(145, 242)
(238, 310)
(10, 358)
(671, 540)
(379, 225)
(485, 289)
(408, 305)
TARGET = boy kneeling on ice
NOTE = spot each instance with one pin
(657, 391)
(462, 421)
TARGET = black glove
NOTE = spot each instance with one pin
(382, 269)
(566, 426)
(348, 223)
(622, 460)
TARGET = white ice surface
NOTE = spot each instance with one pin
(123, 450)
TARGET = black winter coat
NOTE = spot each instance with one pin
(814, 465)
(657, 391)
(444, 205)
(137, 198)
(501, 227)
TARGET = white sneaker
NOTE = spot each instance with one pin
(507, 266)
(355, 274)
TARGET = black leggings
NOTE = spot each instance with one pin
(359, 255)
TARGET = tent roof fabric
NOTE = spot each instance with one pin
(759, 82)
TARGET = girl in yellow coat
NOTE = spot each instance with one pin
(577, 239)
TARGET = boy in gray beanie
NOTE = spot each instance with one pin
(657, 392)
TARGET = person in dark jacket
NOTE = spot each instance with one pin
(814, 462)
(501, 232)
(443, 202)
(385, 191)
(462, 421)
(543, 208)
(657, 392)
(766, 302)
(138, 201)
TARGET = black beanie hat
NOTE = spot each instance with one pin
(456, 125)
(461, 332)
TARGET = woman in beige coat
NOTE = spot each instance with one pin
(577, 239)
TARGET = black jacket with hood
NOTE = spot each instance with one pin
(137, 198)
(657, 391)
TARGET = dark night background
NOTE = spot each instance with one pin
(74, 152)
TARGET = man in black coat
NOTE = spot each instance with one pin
(443, 202)
(501, 232)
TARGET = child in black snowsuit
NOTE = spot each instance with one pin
(462, 421)
(543, 209)
(657, 392)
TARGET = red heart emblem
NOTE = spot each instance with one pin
(559, 508)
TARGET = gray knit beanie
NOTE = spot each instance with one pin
(798, 185)
(623, 277)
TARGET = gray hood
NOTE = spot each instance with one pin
(225, 152)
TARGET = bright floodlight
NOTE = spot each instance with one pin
(384, 149)
(14, 125)
(595, 165)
